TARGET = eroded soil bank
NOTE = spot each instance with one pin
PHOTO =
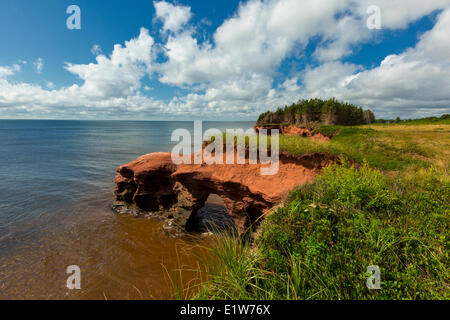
(292, 130)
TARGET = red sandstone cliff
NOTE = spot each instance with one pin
(153, 183)
(294, 130)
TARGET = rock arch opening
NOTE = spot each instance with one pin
(254, 216)
(211, 216)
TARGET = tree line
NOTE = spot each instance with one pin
(329, 112)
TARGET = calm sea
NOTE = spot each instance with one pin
(56, 188)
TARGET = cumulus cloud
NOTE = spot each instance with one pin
(415, 82)
(9, 70)
(121, 73)
(234, 72)
(255, 40)
(349, 30)
(110, 84)
(173, 17)
(398, 14)
(253, 44)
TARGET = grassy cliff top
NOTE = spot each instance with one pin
(391, 147)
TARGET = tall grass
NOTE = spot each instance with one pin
(392, 211)
(389, 148)
(320, 243)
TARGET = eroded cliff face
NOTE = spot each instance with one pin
(293, 130)
(153, 184)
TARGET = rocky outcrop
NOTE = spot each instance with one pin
(153, 184)
(294, 130)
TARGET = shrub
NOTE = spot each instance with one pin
(363, 189)
(331, 231)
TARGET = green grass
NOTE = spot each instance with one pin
(319, 245)
(445, 119)
(392, 210)
(358, 143)
(349, 219)
(383, 146)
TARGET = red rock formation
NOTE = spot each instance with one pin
(294, 130)
(153, 183)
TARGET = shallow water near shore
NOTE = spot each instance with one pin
(57, 187)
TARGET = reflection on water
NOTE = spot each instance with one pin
(56, 184)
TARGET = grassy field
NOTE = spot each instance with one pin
(387, 147)
(393, 212)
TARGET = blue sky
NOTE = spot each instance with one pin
(221, 60)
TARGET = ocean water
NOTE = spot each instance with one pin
(56, 188)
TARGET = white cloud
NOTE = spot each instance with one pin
(233, 73)
(173, 17)
(338, 40)
(96, 50)
(121, 73)
(253, 43)
(256, 40)
(9, 70)
(290, 85)
(110, 84)
(39, 65)
(414, 83)
(397, 14)
(351, 29)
